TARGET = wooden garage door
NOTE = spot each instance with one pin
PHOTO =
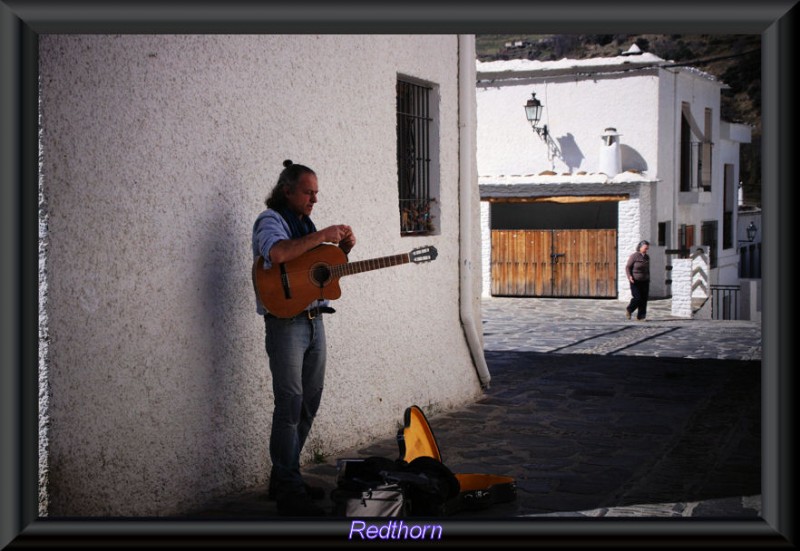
(554, 263)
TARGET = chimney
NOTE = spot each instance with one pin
(610, 154)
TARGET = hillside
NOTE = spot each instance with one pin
(734, 59)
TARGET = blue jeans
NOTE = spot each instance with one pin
(296, 350)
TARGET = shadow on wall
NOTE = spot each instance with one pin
(573, 156)
(631, 160)
(227, 394)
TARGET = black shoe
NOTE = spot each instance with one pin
(314, 492)
(299, 505)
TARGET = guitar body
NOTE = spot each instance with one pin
(287, 289)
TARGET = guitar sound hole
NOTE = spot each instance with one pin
(320, 275)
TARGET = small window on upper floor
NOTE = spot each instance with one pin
(417, 157)
(695, 151)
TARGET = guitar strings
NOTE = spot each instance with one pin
(334, 268)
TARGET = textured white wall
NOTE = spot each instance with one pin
(629, 218)
(157, 154)
(576, 111)
(681, 303)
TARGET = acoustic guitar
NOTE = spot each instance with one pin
(288, 288)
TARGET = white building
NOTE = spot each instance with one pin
(634, 149)
(157, 153)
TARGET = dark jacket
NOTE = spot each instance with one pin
(638, 267)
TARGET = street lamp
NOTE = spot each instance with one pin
(751, 233)
(533, 112)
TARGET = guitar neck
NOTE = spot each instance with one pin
(371, 264)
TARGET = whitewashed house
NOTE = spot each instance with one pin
(627, 148)
(157, 152)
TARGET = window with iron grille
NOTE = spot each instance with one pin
(416, 145)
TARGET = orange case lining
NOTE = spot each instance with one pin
(418, 437)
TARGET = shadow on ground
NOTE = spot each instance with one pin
(581, 432)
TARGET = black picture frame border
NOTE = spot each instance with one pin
(21, 22)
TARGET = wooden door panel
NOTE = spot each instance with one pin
(584, 265)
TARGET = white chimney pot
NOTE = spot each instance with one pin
(610, 154)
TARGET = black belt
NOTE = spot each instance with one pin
(311, 313)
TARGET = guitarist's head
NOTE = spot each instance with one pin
(295, 191)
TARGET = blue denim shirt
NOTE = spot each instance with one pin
(268, 229)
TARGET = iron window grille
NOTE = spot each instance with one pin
(414, 158)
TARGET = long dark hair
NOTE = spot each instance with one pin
(287, 181)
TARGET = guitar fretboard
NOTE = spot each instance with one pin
(371, 264)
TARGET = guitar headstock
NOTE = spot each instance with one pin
(423, 254)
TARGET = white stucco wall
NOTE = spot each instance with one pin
(628, 235)
(576, 112)
(157, 154)
(681, 304)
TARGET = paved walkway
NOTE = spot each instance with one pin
(598, 416)
(584, 326)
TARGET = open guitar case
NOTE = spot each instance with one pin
(418, 483)
(475, 491)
